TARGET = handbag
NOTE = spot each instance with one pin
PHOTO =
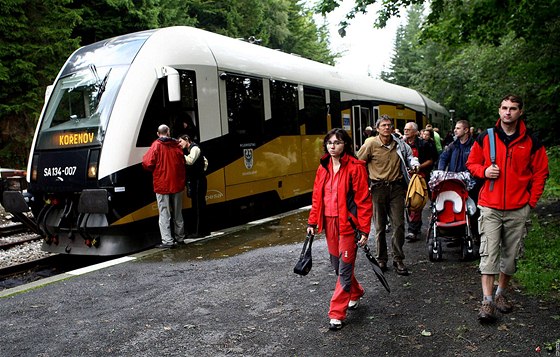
(303, 265)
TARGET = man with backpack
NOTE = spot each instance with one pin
(514, 166)
(388, 161)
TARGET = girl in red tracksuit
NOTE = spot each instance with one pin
(341, 192)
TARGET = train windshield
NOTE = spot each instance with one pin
(80, 104)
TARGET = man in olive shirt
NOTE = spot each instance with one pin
(388, 161)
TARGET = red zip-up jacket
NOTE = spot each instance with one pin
(523, 167)
(354, 197)
(165, 159)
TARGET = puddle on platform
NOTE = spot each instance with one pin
(281, 231)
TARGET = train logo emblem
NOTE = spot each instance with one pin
(248, 156)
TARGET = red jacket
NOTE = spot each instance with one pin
(165, 159)
(523, 169)
(352, 185)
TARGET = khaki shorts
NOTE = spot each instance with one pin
(501, 237)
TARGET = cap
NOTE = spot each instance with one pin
(369, 128)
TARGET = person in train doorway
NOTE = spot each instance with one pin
(389, 161)
(340, 193)
(425, 151)
(454, 159)
(196, 185)
(369, 132)
(165, 160)
(186, 127)
(513, 184)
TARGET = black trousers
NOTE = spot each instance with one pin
(196, 222)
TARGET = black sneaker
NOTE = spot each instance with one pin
(382, 265)
(412, 237)
(166, 245)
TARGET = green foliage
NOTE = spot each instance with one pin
(468, 55)
(539, 269)
(38, 36)
(35, 42)
(552, 187)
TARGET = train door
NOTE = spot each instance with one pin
(361, 118)
(175, 114)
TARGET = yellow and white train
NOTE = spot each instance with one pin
(260, 116)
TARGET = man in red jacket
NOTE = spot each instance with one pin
(165, 160)
(513, 184)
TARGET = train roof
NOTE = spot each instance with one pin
(183, 46)
(207, 48)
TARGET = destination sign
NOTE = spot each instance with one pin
(70, 139)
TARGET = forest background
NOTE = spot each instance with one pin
(464, 54)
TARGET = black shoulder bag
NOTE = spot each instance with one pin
(303, 266)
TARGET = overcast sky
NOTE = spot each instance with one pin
(365, 50)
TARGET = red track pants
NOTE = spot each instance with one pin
(342, 250)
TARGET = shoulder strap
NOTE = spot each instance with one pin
(492, 142)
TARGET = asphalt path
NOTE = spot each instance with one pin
(236, 295)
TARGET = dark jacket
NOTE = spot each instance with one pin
(426, 151)
(166, 161)
(455, 156)
(354, 197)
(196, 170)
(523, 167)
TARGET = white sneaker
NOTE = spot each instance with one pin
(335, 324)
(353, 304)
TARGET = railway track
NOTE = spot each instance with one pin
(11, 236)
(11, 229)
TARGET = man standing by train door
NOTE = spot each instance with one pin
(514, 166)
(165, 160)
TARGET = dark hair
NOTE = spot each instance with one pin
(464, 123)
(431, 132)
(341, 135)
(186, 138)
(384, 117)
(513, 98)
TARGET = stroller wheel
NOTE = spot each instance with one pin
(468, 250)
(435, 251)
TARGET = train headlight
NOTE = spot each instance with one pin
(92, 164)
(92, 170)
(34, 168)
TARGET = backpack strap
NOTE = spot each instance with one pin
(492, 142)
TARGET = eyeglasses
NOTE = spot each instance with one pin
(337, 142)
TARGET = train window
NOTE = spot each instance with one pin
(315, 111)
(80, 104)
(284, 103)
(156, 114)
(161, 111)
(245, 108)
(334, 110)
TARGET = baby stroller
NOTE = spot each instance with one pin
(451, 209)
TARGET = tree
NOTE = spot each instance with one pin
(35, 42)
(468, 54)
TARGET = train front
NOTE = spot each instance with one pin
(73, 209)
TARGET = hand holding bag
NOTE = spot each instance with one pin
(303, 266)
